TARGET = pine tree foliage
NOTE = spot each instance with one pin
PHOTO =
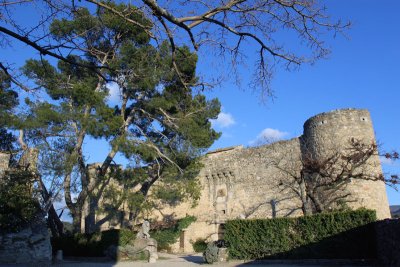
(160, 123)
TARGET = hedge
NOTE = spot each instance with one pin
(336, 235)
(91, 245)
(94, 245)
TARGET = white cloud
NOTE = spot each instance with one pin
(269, 135)
(223, 120)
(114, 94)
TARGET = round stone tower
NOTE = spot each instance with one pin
(331, 132)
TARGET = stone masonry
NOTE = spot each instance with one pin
(240, 182)
(30, 246)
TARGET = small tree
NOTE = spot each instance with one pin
(321, 182)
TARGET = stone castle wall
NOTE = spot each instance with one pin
(331, 131)
(249, 182)
(237, 183)
(254, 182)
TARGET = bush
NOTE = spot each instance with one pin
(17, 204)
(212, 251)
(166, 237)
(92, 245)
(210, 255)
(95, 244)
(330, 235)
(199, 245)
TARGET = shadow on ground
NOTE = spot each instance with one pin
(194, 259)
(309, 263)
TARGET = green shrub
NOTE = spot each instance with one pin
(166, 237)
(17, 204)
(210, 254)
(199, 245)
(92, 245)
(346, 234)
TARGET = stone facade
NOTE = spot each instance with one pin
(240, 182)
(30, 245)
(4, 161)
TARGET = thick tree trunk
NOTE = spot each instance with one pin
(55, 223)
(90, 218)
(76, 220)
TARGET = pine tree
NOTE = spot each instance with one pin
(160, 122)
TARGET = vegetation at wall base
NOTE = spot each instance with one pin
(17, 203)
(91, 245)
(95, 244)
(213, 250)
(200, 245)
(340, 235)
(166, 237)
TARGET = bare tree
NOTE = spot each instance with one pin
(227, 27)
(321, 183)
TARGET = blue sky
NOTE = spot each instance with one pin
(361, 72)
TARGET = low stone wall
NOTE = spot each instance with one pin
(31, 245)
(388, 242)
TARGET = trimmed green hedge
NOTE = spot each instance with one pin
(345, 235)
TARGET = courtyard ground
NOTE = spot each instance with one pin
(169, 260)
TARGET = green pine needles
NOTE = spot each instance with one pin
(159, 121)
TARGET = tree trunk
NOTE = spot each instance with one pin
(76, 220)
(305, 200)
(55, 223)
(90, 221)
(317, 203)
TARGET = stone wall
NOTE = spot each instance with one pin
(4, 161)
(30, 245)
(256, 182)
(332, 131)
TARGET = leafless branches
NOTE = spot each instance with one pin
(275, 30)
(321, 183)
(230, 23)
